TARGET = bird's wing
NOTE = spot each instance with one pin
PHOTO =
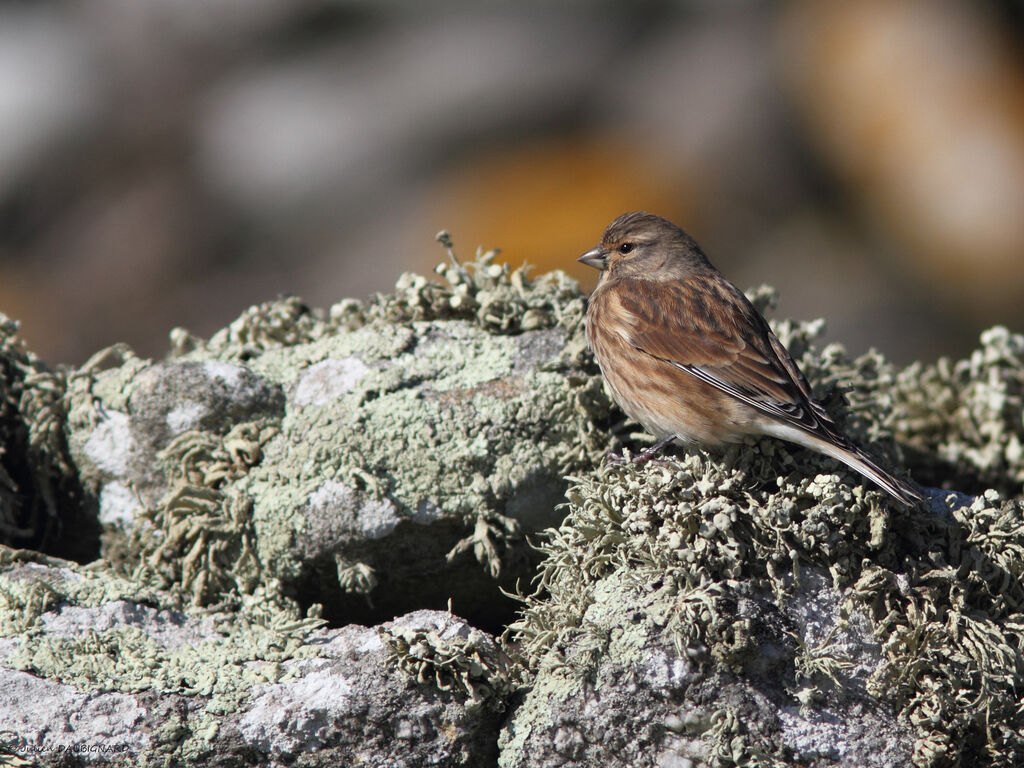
(706, 327)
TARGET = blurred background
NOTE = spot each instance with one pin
(169, 163)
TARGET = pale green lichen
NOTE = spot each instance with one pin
(245, 648)
(199, 538)
(730, 744)
(960, 424)
(951, 632)
(355, 576)
(105, 378)
(819, 661)
(281, 323)
(497, 297)
(462, 444)
(200, 458)
(196, 547)
(491, 537)
(468, 662)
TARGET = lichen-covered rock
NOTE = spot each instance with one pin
(385, 457)
(755, 608)
(96, 670)
(353, 704)
(126, 411)
(708, 610)
(432, 452)
(763, 606)
(785, 689)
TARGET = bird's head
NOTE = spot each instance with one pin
(645, 246)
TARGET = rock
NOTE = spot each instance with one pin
(704, 611)
(122, 418)
(769, 697)
(95, 670)
(761, 606)
(389, 457)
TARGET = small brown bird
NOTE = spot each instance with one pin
(687, 355)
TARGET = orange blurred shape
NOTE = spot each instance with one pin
(546, 201)
(919, 105)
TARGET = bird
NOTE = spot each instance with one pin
(687, 355)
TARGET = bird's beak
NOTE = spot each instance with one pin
(594, 258)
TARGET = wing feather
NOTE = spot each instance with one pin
(722, 340)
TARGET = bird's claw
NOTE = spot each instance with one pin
(642, 458)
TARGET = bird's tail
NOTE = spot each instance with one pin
(831, 443)
(907, 493)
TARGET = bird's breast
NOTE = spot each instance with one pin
(662, 397)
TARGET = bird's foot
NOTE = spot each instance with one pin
(642, 458)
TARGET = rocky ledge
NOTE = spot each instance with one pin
(383, 534)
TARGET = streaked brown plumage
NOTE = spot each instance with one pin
(687, 355)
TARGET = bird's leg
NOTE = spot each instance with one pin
(644, 457)
(654, 450)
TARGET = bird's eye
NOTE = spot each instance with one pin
(626, 247)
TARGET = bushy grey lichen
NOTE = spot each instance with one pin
(960, 424)
(499, 298)
(453, 657)
(38, 487)
(200, 537)
(969, 414)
